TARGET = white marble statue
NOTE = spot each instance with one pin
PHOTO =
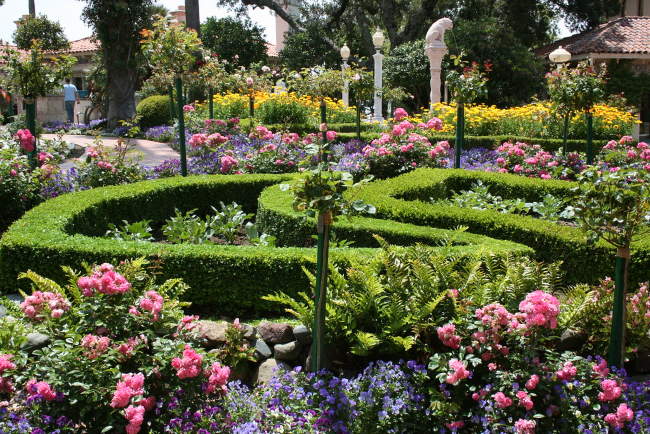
(435, 49)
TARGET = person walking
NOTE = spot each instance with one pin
(70, 96)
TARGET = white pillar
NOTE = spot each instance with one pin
(435, 52)
(346, 86)
(377, 112)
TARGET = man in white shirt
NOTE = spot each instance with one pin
(70, 96)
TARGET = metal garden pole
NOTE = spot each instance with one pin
(617, 338)
(181, 124)
(210, 103)
(460, 132)
(565, 133)
(590, 128)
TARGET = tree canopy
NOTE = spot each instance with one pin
(49, 33)
(238, 41)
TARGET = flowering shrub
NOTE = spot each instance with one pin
(503, 375)
(533, 161)
(119, 344)
(623, 153)
(102, 168)
(403, 149)
(537, 119)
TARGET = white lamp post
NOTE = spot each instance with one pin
(345, 55)
(559, 55)
(378, 42)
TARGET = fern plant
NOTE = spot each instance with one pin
(393, 303)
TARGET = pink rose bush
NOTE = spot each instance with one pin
(115, 351)
(625, 153)
(532, 161)
(405, 148)
(26, 139)
(496, 364)
(44, 304)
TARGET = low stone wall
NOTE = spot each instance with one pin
(52, 108)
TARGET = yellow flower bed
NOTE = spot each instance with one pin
(532, 120)
(335, 108)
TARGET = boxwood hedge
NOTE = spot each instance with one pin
(225, 279)
(406, 198)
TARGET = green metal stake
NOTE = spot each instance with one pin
(181, 124)
(617, 338)
(565, 133)
(171, 102)
(320, 294)
(358, 121)
(30, 113)
(323, 120)
(590, 144)
(460, 133)
(210, 102)
(251, 110)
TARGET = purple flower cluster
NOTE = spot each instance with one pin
(162, 133)
(385, 397)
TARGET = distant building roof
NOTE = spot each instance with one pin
(272, 50)
(624, 35)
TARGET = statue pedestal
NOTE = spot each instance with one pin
(435, 52)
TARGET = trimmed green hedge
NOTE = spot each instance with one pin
(406, 199)
(225, 279)
(276, 216)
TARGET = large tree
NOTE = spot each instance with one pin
(193, 16)
(238, 41)
(117, 25)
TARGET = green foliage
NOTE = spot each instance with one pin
(405, 199)
(67, 230)
(304, 49)
(623, 80)
(576, 89)
(35, 76)
(587, 309)
(48, 33)
(228, 221)
(137, 231)
(282, 111)
(407, 66)
(485, 35)
(170, 48)
(467, 84)
(154, 111)
(187, 228)
(389, 305)
(238, 41)
(479, 197)
(614, 205)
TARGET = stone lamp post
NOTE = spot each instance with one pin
(378, 42)
(345, 55)
(435, 49)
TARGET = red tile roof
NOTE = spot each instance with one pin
(84, 45)
(625, 35)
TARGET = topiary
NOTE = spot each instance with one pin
(154, 111)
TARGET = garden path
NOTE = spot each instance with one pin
(153, 153)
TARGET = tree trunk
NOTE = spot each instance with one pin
(121, 84)
(32, 8)
(193, 17)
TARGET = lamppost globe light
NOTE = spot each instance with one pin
(378, 39)
(345, 52)
(559, 55)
